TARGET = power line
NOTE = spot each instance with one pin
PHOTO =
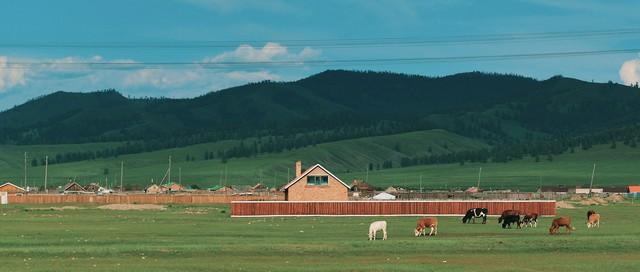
(296, 63)
(337, 43)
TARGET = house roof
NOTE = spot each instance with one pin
(309, 171)
(384, 196)
(13, 185)
(71, 184)
(634, 189)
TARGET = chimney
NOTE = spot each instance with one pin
(298, 168)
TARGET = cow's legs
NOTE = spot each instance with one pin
(384, 234)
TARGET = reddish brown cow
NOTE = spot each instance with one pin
(593, 221)
(429, 222)
(562, 221)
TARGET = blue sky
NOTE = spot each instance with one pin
(263, 31)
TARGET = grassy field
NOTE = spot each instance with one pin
(203, 238)
(348, 159)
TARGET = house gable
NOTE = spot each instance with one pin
(311, 169)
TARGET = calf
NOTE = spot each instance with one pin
(424, 223)
(593, 221)
(375, 227)
(530, 220)
(474, 213)
(563, 221)
(509, 217)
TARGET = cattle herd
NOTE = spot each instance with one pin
(506, 219)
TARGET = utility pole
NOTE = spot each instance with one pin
(593, 173)
(479, 176)
(169, 171)
(421, 183)
(46, 170)
(25, 171)
(180, 175)
(366, 179)
(121, 176)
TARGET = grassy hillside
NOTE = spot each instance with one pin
(349, 159)
(341, 156)
(614, 167)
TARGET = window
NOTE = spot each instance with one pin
(318, 180)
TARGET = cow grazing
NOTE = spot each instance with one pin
(377, 226)
(593, 221)
(563, 221)
(589, 213)
(509, 217)
(424, 223)
(474, 213)
(530, 220)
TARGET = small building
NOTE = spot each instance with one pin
(225, 190)
(173, 187)
(579, 190)
(259, 188)
(633, 189)
(93, 187)
(472, 189)
(315, 184)
(155, 189)
(384, 196)
(615, 189)
(361, 188)
(73, 188)
(392, 189)
(11, 188)
(554, 189)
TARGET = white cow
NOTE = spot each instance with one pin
(375, 227)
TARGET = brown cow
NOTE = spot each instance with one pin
(593, 221)
(589, 213)
(428, 222)
(562, 221)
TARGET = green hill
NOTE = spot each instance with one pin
(341, 156)
(349, 159)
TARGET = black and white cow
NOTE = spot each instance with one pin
(474, 213)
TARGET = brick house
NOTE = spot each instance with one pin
(315, 184)
(11, 188)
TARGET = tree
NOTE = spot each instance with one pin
(105, 171)
(34, 162)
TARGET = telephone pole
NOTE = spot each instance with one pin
(46, 170)
(479, 176)
(593, 173)
(121, 176)
(25, 171)
(169, 171)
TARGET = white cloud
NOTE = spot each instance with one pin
(271, 51)
(10, 76)
(161, 78)
(630, 72)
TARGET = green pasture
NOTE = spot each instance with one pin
(205, 238)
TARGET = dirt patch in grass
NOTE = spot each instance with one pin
(132, 207)
(56, 208)
(564, 205)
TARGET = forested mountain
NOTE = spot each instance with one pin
(332, 105)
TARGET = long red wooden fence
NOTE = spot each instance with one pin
(136, 198)
(385, 208)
